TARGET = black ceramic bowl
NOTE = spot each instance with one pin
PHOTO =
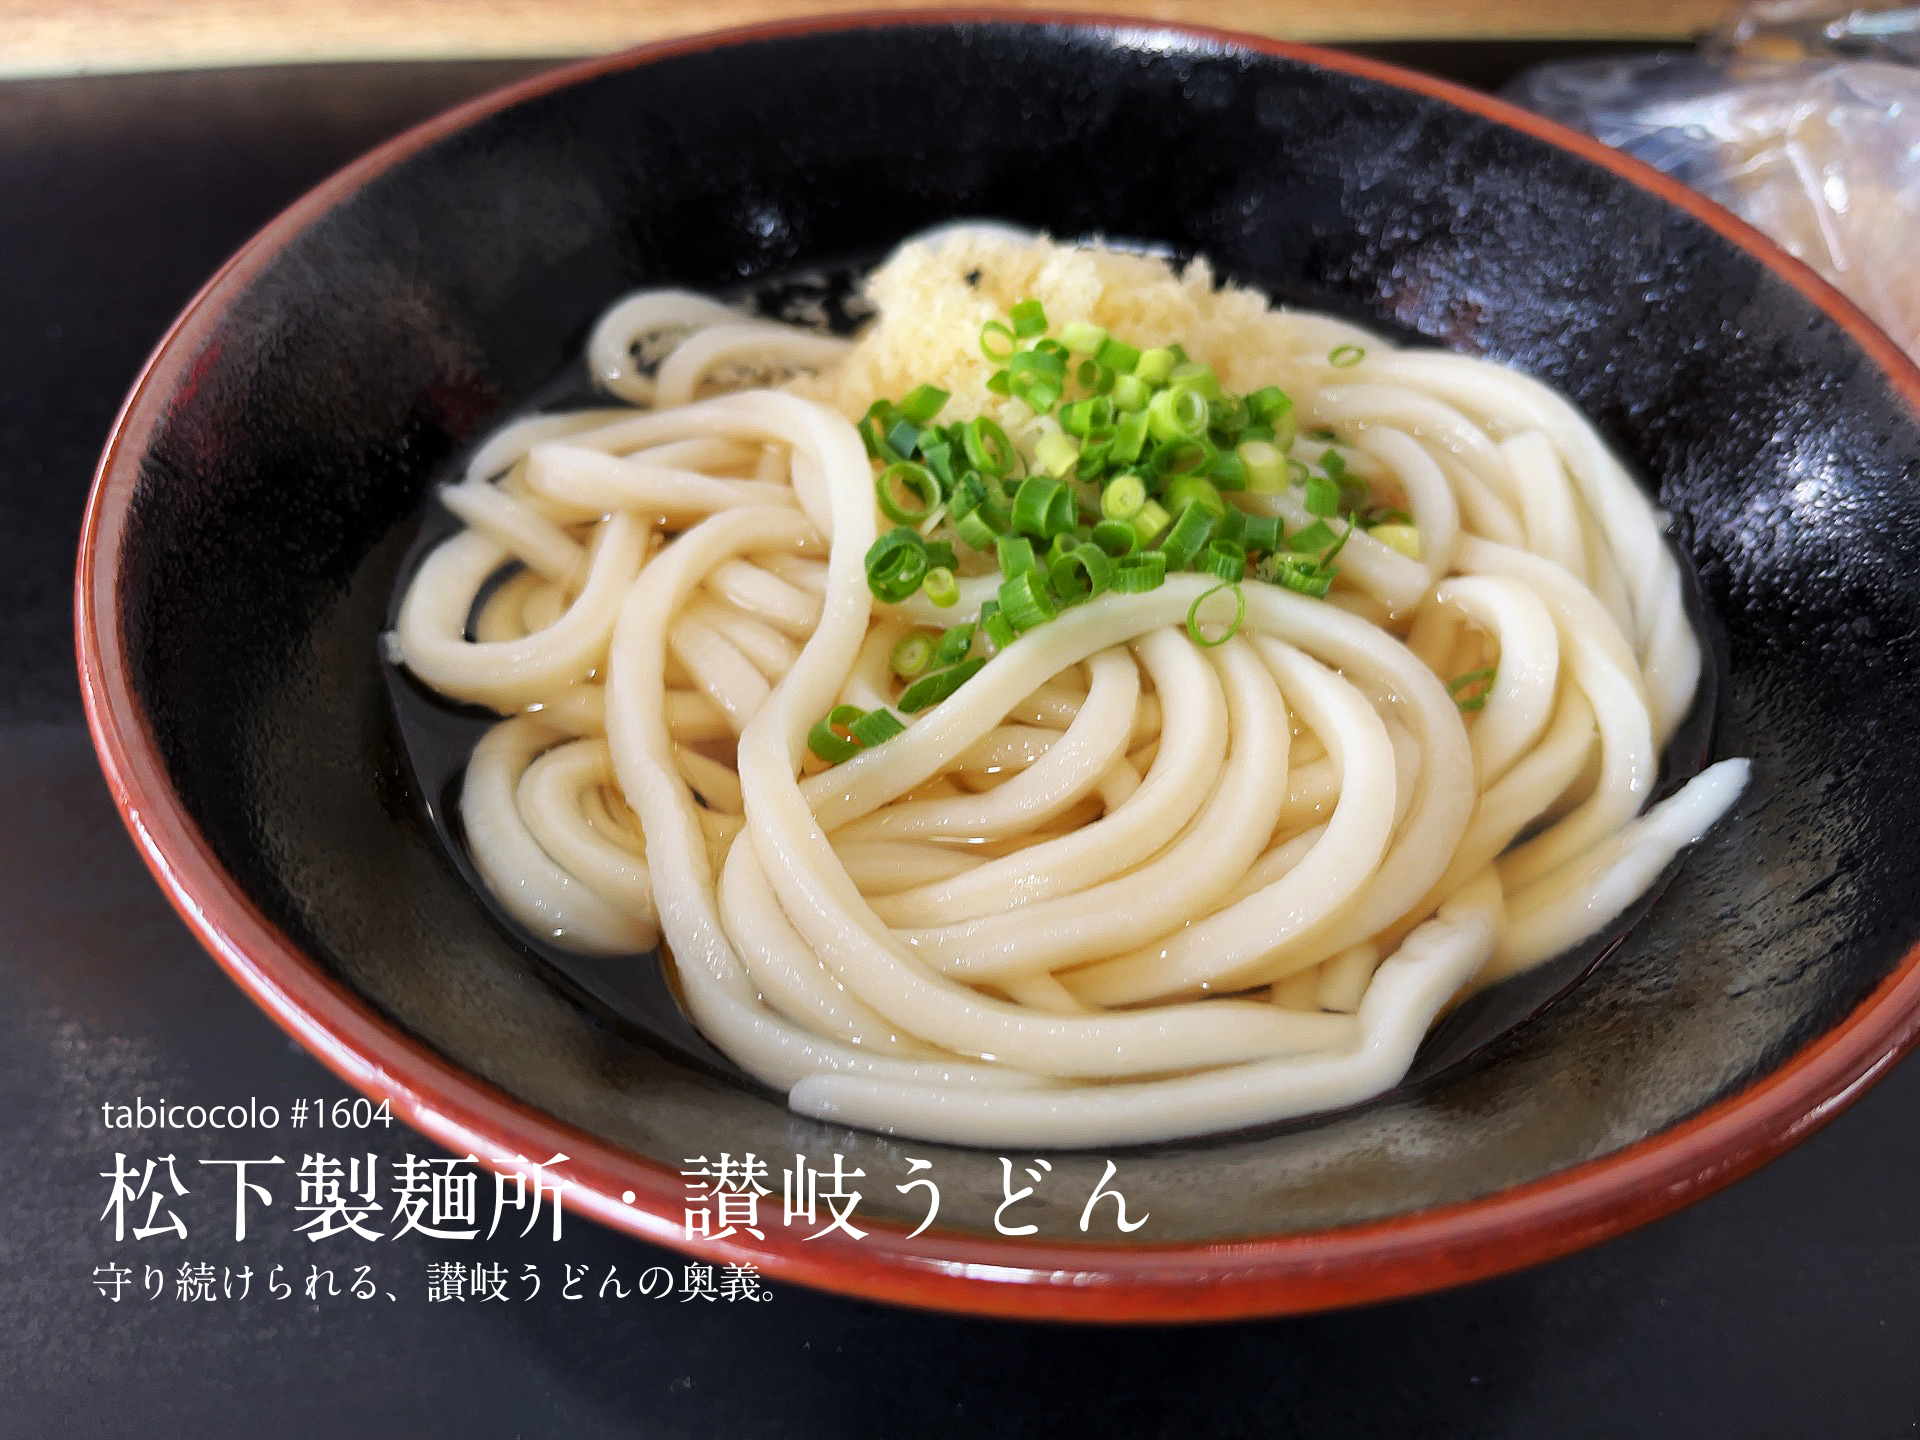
(270, 471)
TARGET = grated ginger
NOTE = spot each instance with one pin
(928, 327)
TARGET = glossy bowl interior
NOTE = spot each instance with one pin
(269, 474)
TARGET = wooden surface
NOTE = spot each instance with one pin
(66, 37)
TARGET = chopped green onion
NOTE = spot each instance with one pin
(1403, 538)
(941, 588)
(1480, 682)
(903, 438)
(987, 446)
(1185, 490)
(1261, 532)
(1239, 615)
(1116, 355)
(1095, 378)
(876, 727)
(1016, 555)
(922, 403)
(1227, 471)
(1268, 403)
(995, 626)
(1150, 521)
(1342, 357)
(1080, 574)
(1116, 537)
(1024, 600)
(1224, 559)
(1230, 524)
(1326, 559)
(1266, 467)
(1093, 459)
(1323, 496)
(1311, 539)
(913, 654)
(1130, 392)
(939, 554)
(1154, 366)
(1228, 413)
(1188, 375)
(1029, 319)
(1083, 417)
(974, 529)
(1130, 437)
(1056, 453)
(1082, 338)
(1031, 504)
(1137, 574)
(919, 484)
(954, 645)
(896, 564)
(997, 342)
(1177, 413)
(1189, 536)
(932, 689)
(827, 740)
(1305, 579)
(1124, 498)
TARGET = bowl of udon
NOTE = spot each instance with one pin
(1049, 668)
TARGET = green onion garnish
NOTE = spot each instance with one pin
(1029, 319)
(1342, 357)
(1239, 615)
(954, 645)
(1116, 355)
(917, 482)
(1124, 498)
(1323, 496)
(1130, 392)
(1056, 453)
(1266, 467)
(1312, 539)
(1081, 574)
(1137, 574)
(1154, 366)
(1150, 521)
(1480, 682)
(997, 342)
(1116, 537)
(1223, 559)
(1082, 338)
(922, 403)
(941, 587)
(896, 564)
(995, 627)
(1193, 490)
(932, 689)
(876, 727)
(1260, 532)
(831, 738)
(1177, 413)
(987, 446)
(1189, 536)
(1024, 600)
(912, 655)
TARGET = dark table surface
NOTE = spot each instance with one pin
(1784, 1307)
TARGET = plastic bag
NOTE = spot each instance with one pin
(1820, 152)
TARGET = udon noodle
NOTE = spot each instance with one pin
(1145, 873)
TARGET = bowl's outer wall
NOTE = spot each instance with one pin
(283, 486)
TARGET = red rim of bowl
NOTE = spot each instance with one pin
(1313, 1270)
